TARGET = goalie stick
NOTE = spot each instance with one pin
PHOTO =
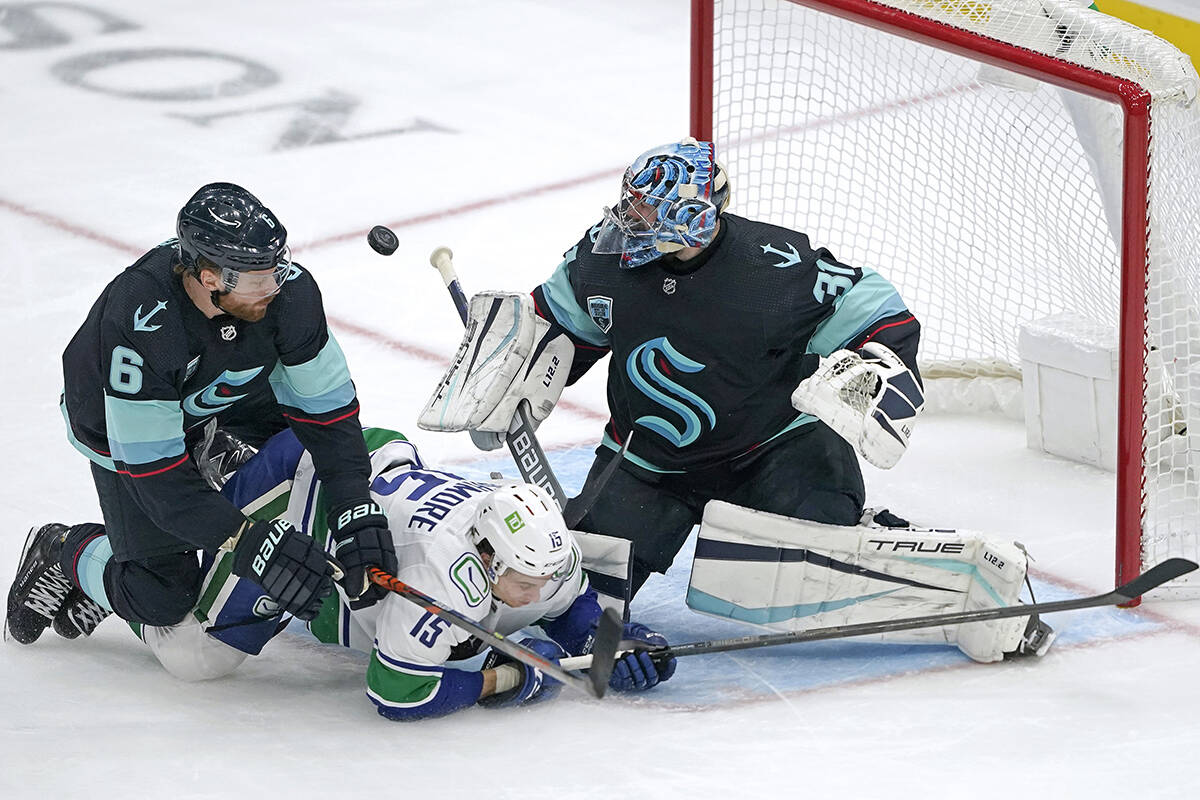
(522, 443)
(1150, 579)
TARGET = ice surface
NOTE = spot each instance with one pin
(502, 129)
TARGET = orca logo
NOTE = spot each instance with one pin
(217, 395)
(643, 369)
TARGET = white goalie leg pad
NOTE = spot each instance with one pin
(788, 574)
(189, 653)
(609, 561)
(508, 355)
(872, 403)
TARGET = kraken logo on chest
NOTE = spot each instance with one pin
(648, 367)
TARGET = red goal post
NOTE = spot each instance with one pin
(948, 143)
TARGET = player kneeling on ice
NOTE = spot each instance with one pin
(499, 555)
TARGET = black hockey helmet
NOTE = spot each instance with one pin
(226, 227)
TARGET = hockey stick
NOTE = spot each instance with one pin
(522, 443)
(1152, 578)
(608, 637)
(588, 499)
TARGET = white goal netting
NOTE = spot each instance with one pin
(989, 197)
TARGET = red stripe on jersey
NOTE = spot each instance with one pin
(154, 472)
(347, 415)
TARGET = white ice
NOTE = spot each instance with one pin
(503, 130)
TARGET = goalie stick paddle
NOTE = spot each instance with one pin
(526, 451)
(608, 635)
(1150, 579)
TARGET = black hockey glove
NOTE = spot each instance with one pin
(288, 564)
(534, 686)
(361, 539)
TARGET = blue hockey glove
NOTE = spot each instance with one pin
(535, 686)
(361, 539)
(638, 671)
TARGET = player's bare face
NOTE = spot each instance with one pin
(517, 590)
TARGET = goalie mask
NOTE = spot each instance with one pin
(525, 531)
(671, 197)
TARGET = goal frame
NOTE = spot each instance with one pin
(1135, 102)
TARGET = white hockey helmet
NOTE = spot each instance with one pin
(525, 531)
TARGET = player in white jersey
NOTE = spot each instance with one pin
(500, 555)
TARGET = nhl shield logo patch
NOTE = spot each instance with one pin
(600, 310)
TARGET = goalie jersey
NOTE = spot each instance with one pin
(429, 513)
(706, 352)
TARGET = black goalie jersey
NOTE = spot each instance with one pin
(706, 352)
(147, 369)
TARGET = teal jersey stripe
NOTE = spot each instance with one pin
(142, 431)
(611, 444)
(708, 604)
(608, 442)
(565, 309)
(103, 461)
(146, 452)
(319, 385)
(871, 299)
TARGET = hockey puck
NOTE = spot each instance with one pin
(382, 240)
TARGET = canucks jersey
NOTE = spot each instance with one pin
(148, 368)
(429, 514)
(706, 352)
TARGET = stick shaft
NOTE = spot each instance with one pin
(495, 640)
(1155, 576)
(526, 451)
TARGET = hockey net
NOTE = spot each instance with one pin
(1000, 161)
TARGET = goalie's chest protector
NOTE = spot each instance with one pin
(706, 353)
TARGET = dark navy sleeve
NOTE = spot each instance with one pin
(144, 420)
(312, 384)
(558, 301)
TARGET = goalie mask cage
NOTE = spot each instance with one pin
(999, 161)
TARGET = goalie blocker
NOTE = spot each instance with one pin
(508, 355)
(789, 574)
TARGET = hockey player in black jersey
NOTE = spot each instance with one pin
(218, 324)
(750, 364)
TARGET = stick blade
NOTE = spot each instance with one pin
(1156, 576)
(604, 651)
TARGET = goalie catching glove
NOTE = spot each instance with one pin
(869, 398)
(508, 355)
